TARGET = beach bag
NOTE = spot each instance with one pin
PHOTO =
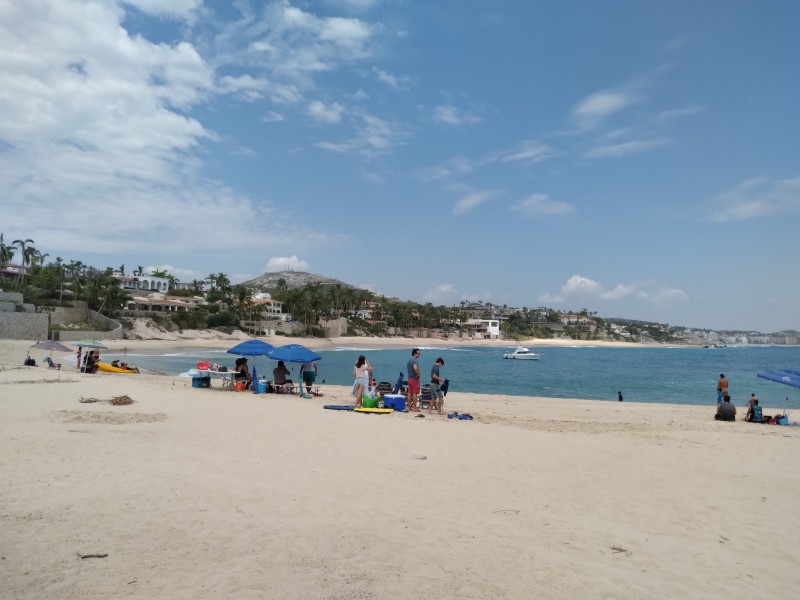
(240, 386)
(203, 366)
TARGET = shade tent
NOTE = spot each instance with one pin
(786, 376)
(295, 353)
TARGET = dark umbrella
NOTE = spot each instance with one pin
(293, 353)
(51, 345)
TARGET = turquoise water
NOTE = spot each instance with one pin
(676, 375)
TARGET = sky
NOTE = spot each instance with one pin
(637, 159)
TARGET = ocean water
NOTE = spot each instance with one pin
(676, 375)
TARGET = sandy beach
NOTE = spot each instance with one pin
(205, 494)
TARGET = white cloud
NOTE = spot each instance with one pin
(528, 151)
(473, 199)
(623, 148)
(579, 288)
(374, 136)
(353, 5)
(272, 117)
(396, 82)
(246, 86)
(99, 131)
(184, 9)
(541, 204)
(185, 275)
(758, 197)
(326, 113)
(286, 263)
(597, 106)
(441, 293)
(455, 167)
(450, 115)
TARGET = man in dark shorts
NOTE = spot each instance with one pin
(436, 386)
(413, 380)
(308, 373)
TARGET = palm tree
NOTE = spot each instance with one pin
(23, 246)
(6, 254)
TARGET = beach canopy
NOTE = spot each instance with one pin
(51, 345)
(786, 376)
(251, 348)
(296, 353)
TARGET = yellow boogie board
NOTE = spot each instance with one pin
(377, 411)
(112, 369)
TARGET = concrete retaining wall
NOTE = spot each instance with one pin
(61, 315)
(23, 326)
(116, 332)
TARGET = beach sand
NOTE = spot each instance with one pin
(206, 494)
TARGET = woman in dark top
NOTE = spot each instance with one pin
(242, 372)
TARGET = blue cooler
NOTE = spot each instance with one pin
(395, 401)
(201, 382)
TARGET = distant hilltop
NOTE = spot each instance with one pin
(294, 280)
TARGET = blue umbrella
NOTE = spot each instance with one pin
(251, 348)
(293, 353)
(787, 376)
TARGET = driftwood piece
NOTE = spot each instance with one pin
(92, 555)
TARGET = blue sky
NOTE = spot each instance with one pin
(638, 159)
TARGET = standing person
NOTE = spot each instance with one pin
(413, 380)
(619, 396)
(361, 374)
(722, 387)
(80, 351)
(308, 374)
(436, 386)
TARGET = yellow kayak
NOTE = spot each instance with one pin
(112, 369)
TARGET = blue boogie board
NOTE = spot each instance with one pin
(338, 407)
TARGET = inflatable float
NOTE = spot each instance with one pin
(374, 411)
(112, 369)
(338, 407)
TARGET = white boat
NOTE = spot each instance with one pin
(522, 353)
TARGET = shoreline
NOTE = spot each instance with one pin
(217, 342)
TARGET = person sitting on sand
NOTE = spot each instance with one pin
(726, 411)
(754, 414)
(242, 371)
(49, 362)
(92, 358)
(29, 362)
(281, 374)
